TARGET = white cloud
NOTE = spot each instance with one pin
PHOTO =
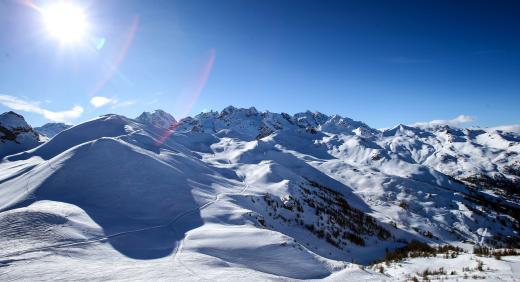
(18, 104)
(510, 128)
(459, 120)
(123, 104)
(100, 101)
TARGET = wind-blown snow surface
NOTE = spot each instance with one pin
(241, 194)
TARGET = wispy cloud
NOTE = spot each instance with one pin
(457, 121)
(18, 104)
(154, 101)
(124, 104)
(100, 101)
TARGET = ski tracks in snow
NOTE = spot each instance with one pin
(178, 250)
(176, 253)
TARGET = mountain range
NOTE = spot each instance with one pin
(243, 194)
(50, 130)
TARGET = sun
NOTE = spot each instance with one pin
(66, 22)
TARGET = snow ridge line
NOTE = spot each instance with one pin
(104, 238)
(178, 250)
(179, 247)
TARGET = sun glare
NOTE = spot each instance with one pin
(66, 22)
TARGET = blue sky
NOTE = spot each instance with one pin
(382, 62)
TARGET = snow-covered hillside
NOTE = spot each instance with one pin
(50, 130)
(248, 195)
(16, 135)
(483, 158)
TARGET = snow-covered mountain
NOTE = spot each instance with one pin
(481, 158)
(50, 130)
(249, 195)
(158, 118)
(16, 135)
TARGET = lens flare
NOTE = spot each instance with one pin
(193, 97)
(112, 67)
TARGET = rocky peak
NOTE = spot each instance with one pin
(310, 119)
(15, 134)
(13, 121)
(158, 119)
(404, 130)
(231, 111)
(52, 129)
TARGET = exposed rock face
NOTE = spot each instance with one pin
(321, 190)
(485, 158)
(16, 135)
(158, 119)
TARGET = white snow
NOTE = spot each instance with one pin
(158, 118)
(244, 195)
(16, 135)
(50, 130)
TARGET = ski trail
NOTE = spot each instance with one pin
(122, 233)
(178, 250)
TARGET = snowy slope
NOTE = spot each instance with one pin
(50, 130)
(16, 135)
(248, 195)
(486, 158)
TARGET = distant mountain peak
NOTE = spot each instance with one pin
(229, 110)
(258, 124)
(157, 118)
(50, 130)
(322, 190)
(16, 134)
(403, 129)
(13, 120)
